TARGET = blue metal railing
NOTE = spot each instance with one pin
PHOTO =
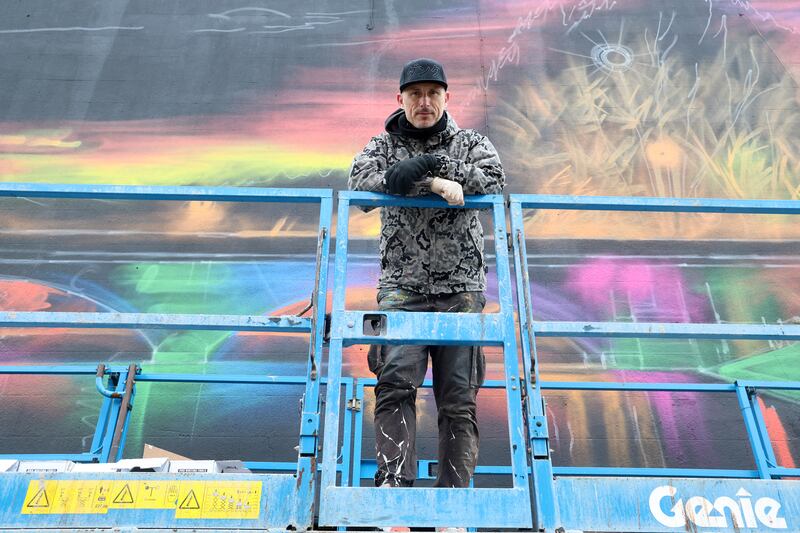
(555, 489)
(102, 448)
(549, 510)
(370, 506)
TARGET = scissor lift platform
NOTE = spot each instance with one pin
(307, 495)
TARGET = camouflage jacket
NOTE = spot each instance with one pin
(432, 251)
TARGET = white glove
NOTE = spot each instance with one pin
(449, 190)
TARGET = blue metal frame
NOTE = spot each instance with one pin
(100, 448)
(302, 493)
(621, 499)
(607, 500)
(370, 506)
(365, 468)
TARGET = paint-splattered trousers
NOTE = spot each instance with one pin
(458, 372)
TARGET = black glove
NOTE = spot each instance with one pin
(401, 176)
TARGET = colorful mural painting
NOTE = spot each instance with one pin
(687, 98)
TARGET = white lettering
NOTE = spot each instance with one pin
(702, 513)
(767, 513)
(677, 518)
(747, 509)
(724, 503)
(698, 509)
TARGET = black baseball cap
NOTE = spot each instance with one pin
(422, 70)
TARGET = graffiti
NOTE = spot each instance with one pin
(256, 16)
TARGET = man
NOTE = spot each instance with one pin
(431, 260)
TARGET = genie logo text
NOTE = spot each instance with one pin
(671, 510)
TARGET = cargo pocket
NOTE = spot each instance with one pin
(375, 358)
(477, 244)
(478, 368)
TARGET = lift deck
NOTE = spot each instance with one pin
(542, 497)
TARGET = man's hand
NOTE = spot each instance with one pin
(449, 190)
(401, 176)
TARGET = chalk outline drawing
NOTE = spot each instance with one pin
(315, 19)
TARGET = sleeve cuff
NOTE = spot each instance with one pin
(422, 187)
(442, 166)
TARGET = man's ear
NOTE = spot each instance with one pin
(400, 99)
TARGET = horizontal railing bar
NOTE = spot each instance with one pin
(667, 330)
(292, 323)
(240, 379)
(785, 472)
(165, 378)
(485, 329)
(684, 205)
(82, 370)
(631, 386)
(39, 319)
(371, 199)
(772, 385)
(653, 472)
(135, 192)
(666, 387)
(621, 386)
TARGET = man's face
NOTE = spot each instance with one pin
(424, 103)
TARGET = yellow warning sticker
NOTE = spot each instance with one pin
(39, 498)
(122, 494)
(190, 499)
(219, 500)
(156, 494)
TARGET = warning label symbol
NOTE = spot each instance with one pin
(124, 496)
(39, 500)
(190, 501)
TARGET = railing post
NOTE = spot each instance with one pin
(753, 432)
(545, 510)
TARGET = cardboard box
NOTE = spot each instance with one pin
(150, 452)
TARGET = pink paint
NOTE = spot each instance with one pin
(647, 291)
(678, 438)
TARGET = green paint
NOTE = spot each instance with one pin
(175, 288)
(662, 354)
(776, 365)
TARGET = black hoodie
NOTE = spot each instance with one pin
(398, 124)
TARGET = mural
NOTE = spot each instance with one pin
(690, 98)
